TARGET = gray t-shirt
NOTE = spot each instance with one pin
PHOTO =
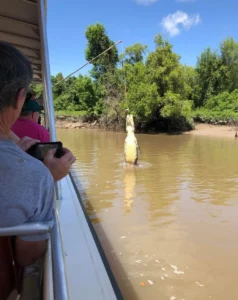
(26, 189)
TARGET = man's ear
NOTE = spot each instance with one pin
(20, 98)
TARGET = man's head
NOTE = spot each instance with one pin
(15, 77)
(31, 110)
(31, 95)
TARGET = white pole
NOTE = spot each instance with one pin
(47, 81)
(59, 275)
(46, 72)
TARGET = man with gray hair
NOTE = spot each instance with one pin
(27, 185)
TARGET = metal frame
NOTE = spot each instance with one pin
(48, 288)
(55, 252)
(47, 81)
(46, 73)
(27, 229)
(59, 274)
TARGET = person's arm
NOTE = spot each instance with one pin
(59, 167)
(30, 248)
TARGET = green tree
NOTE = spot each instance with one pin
(58, 87)
(209, 76)
(177, 112)
(223, 101)
(113, 95)
(153, 85)
(142, 97)
(143, 100)
(98, 41)
(79, 95)
(229, 65)
(38, 89)
(190, 79)
(86, 95)
(135, 53)
(164, 68)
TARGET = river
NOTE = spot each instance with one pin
(169, 227)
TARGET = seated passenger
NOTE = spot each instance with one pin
(27, 185)
(30, 95)
(27, 124)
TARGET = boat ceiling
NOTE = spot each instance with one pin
(19, 25)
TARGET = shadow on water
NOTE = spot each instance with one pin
(104, 246)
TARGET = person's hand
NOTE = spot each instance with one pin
(25, 143)
(59, 167)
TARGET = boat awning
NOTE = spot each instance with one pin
(19, 25)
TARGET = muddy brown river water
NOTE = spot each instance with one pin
(169, 227)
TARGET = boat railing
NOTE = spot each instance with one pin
(54, 267)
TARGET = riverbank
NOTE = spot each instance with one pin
(75, 122)
(214, 130)
(201, 129)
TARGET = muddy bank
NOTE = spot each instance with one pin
(214, 130)
(75, 122)
(200, 128)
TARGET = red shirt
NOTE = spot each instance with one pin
(24, 127)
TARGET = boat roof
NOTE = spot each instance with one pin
(19, 25)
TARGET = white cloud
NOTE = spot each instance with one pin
(146, 2)
(178, 21)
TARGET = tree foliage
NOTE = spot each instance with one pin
(154, 85)
(229, 64)
(135, 53)
(209, 76)
(98, 42)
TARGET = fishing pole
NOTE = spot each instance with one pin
(88, 62)
(124, 73)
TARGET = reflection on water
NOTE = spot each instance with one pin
(168, 227)
(129, 186)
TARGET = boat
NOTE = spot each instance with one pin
(75, 266)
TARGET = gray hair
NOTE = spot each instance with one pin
(15, 73)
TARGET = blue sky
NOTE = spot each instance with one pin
(190, 25)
